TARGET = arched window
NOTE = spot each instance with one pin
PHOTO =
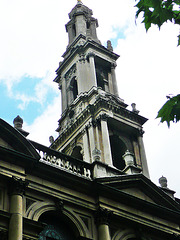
(74, 88)
(77, 153)
(118, 149)
(100, 80)
(56, 228)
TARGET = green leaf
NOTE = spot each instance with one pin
(177, 2)
(170, 111)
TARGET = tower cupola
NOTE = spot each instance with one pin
(81, 22)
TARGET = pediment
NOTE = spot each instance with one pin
(139, 186)
(138, 193)
(11, 139)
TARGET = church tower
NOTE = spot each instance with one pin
(92, 183)
(96, 126)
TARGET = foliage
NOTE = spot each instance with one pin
(170, 111)
(158, 12)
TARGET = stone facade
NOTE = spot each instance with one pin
(93, 181)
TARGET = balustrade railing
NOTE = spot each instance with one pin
(62, 161)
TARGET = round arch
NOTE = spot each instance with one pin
(36, 210)
(127, 234)
(74, 87)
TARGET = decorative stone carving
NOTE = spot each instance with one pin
(18, 122)
(70, 73)
(141, 132)
(163, 182)
(128, 158)
(96, 153)
(109, 45)
(59, 205)
(90, 54)
(113, 65)
(104, 117)
(51, 139)
(134, 108)
(82, 58)
(18, 186)
(103, 216)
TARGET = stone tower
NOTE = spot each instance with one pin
(95, 125)
(96, 186)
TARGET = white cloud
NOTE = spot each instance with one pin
(44, 126)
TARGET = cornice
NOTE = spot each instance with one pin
(93, 111)
(82, 48)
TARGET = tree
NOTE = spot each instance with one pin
(158, 12)
(170, 111)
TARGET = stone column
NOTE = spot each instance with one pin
(70, 95)
(114, 81)
(86, 146)
(143, 154)
(106, 140)
(92, 69)
(97, 137)
(16, 208)
(62, 87)
(102, 219)
(69, 29)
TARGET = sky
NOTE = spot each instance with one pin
(33, 39)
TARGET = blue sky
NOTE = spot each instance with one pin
(33, 38)
(22, 99)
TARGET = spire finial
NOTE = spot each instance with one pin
(79, 1)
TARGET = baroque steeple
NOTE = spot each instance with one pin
(95, 125)
(81, 22)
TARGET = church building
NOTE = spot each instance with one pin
(92, 182)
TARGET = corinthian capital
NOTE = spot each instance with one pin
(103, 216)
(18, 186)
(113, 65)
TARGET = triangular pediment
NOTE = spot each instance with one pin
(137, 185)
(138, 193)
(11, 139)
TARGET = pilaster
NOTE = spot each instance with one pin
(106, 140)
(92, 69)
(63, 94)
(143, 154)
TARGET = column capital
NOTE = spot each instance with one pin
(90, 54)
(104, 117)
(141, 132)
(18, 186)
(103, 216)
(113, 65)
(59, 205)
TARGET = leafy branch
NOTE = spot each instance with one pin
(158, 12)
(170, 111)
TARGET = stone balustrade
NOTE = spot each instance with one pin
(63, 162)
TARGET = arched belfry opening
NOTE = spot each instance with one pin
(118, 149)
(56, 227)
(77, 153)
(74, 88)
